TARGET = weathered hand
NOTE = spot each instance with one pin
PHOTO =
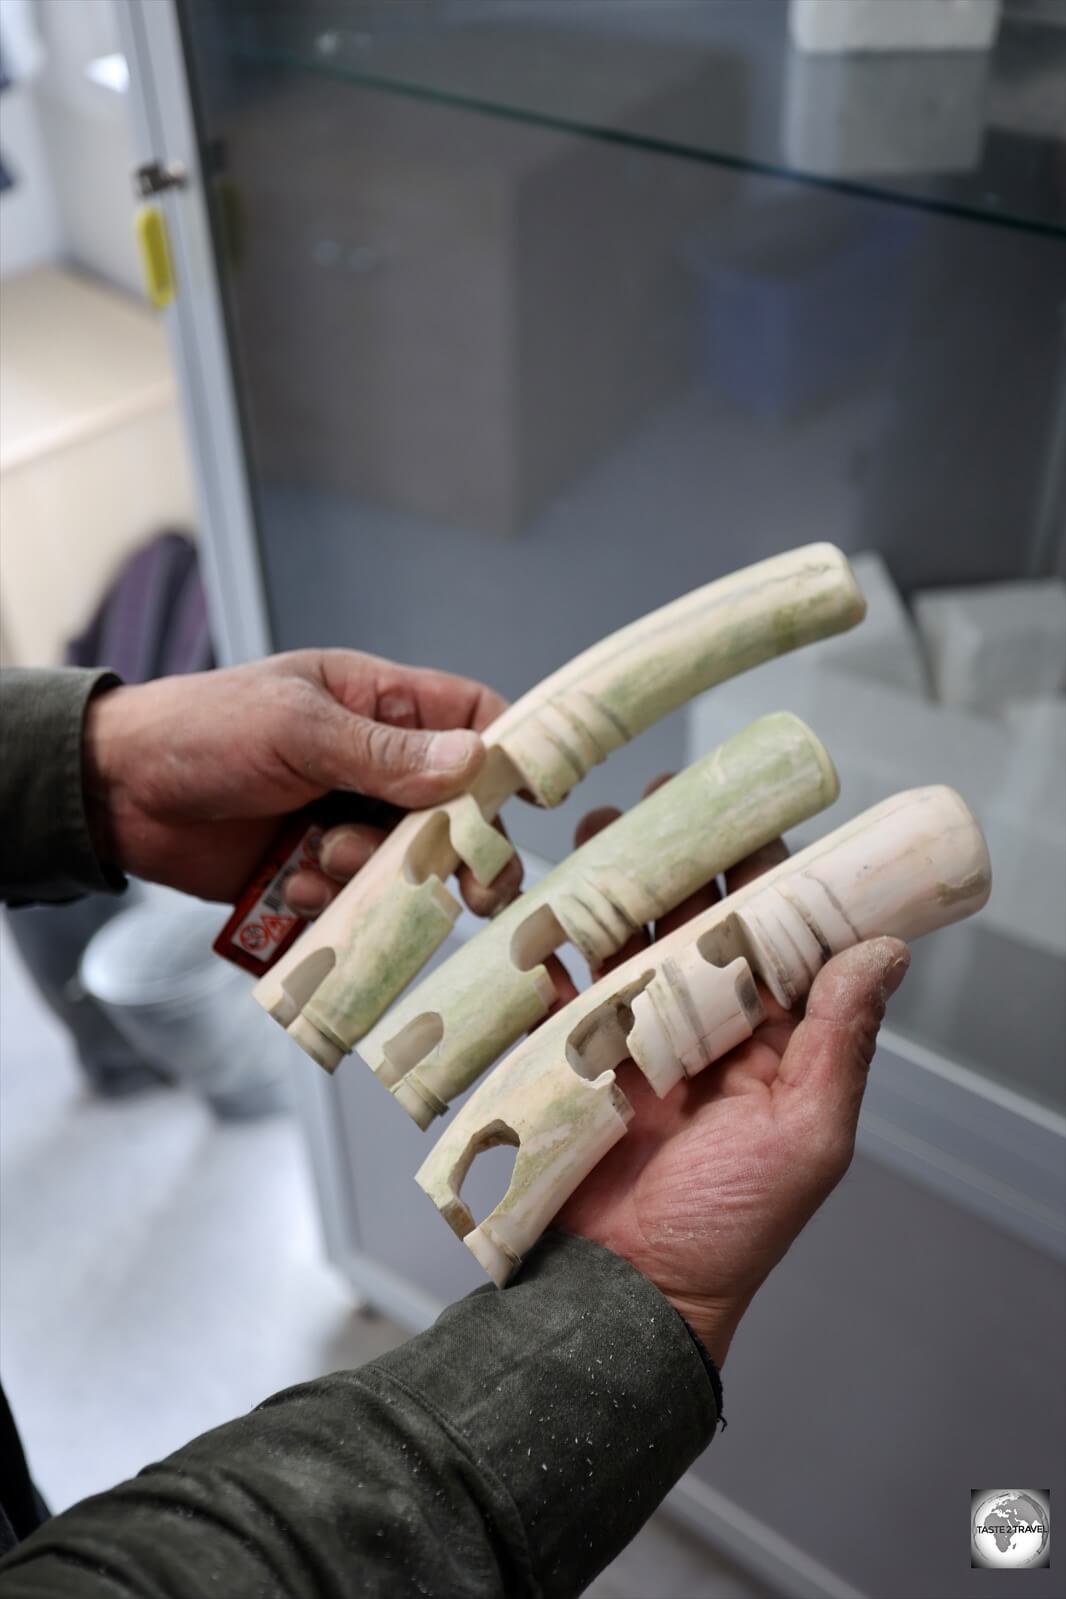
(711, 1185)
(187, 778)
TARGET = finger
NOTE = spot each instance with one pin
(408, 766)
(701, 900)
(487, 899)
(594, 822)
(633, 945)
(308, 893)
(346, 849)
(753, 865)
(408, 696)
(823, 1070)
(562, 982)
(743, 872)
(737, 876)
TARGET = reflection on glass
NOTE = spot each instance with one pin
(542, 315)
(973, 132)
(966, 690)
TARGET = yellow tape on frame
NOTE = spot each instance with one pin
(150, 229)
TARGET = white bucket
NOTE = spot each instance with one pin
(184, 1009)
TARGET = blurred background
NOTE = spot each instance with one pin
(464, 331)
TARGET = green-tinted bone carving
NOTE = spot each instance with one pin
(344, 971)
(442, 1035)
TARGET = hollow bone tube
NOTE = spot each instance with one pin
(342, 973)
(442, 1035)
(910, 865)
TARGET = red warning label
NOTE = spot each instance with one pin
(263, 922)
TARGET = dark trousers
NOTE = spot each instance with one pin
(21, 1506)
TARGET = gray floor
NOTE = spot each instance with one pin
(161, 1273)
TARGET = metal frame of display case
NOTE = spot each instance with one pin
(975, 1142)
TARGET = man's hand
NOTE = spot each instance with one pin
(187, 778)
(711, 1185)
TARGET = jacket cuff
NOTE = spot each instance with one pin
(46, 851)
(578, 1392)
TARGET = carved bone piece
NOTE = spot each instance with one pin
(912, 864)
(344, 971)
(442, 1035)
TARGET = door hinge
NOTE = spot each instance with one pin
(155, 176)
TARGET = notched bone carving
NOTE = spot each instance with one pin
(384, 925)
(915, 863)
(763, 781)
(690, 1014)
(398, 913)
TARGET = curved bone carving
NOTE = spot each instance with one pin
(758, 784)
(914, 863)
(383, 927)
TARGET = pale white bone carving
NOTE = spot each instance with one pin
(910, 865)
(345, 970)
(442, 1035)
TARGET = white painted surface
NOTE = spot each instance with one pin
(91, 160)
(66, 138)
(30, 228)
(844, 25)
(89, 141)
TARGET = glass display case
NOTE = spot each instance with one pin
(504, 322)
(569, 308)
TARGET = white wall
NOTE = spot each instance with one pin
(30, 229)
(67, 140)
(88, 139)
(91, 159)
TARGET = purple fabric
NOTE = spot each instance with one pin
(153, 619)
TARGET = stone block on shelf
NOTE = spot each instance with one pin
(842, 26)
(1038, 753)
(884, 114)
(992, 643)
(1041, 719)
(883, 740)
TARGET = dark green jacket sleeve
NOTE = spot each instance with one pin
(45, 849)
(512, 1450)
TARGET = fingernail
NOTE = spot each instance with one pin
(307, 899)
(506, 893)
(346, 852)
(448, 752)
(399, 709)
(896, 968)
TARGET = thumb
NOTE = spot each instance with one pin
(407, 766)
(823, 1071)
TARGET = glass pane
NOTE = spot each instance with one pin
(508, 383)
(973, 131)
